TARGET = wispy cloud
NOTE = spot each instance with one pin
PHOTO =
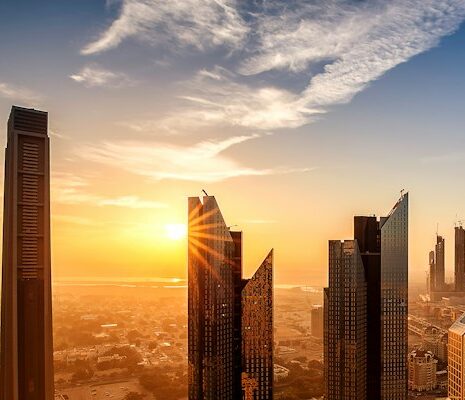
(186, 23)
(342, 45)
(71, 189)
(95, 76)
(203, 162)
(19, 93)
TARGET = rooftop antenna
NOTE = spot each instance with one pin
(206, 194)
(402, 193)
(437, 229)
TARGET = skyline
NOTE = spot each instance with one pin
(133, 135)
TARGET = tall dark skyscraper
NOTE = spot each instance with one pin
(230, 319)
(26, 342)
(437, 262)
(440, 279)
(382, 246)
(459, 259)
(345, 333)
(432, 271)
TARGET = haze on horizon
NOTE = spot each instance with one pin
(295, 117)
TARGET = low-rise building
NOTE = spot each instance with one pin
(422, 366)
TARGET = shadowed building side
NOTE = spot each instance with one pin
(26, 340)
(345, 336)
(257, 333)
(459, 259)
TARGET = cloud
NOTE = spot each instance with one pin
(19, 93)
(199, 24)
(71, 189)
(342, 45)
(201, 162)
(96, 76)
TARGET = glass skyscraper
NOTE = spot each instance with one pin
(230, 319)
(382, 245)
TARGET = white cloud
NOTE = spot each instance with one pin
(348, 44)
(94, 76)
(71, 189)
(194, 23)
(18, 93)
(203, 162)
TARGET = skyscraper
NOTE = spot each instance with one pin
(432, 272)
(229, 318)
(440, 271)
(26, 342)
(345, 333)
(456, 360)
(257, 332)
(382, 246)
(459, 259)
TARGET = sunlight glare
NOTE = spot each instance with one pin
(175, 231)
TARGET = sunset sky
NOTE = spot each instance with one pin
(296, 115)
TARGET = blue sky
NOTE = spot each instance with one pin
(320, 110)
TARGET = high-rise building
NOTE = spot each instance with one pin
(26, 330)
(230, 319)
(345, 323)
(422, 366)
(456, 359)
(317, 320)
(382, 245)
(432, 272)
(257, 333)
(459, 259)
(440, 278)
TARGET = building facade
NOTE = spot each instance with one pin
(459, 259)
(257, 333)
(422, 368)
(345, 333)
(440, 276)
(394, 302)
(382, 245)
(456, 360)
(26, 337)
(230, 319)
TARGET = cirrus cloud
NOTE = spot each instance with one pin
(201, 162)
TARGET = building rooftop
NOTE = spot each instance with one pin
(458, 327)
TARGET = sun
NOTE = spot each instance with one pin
(175, 231)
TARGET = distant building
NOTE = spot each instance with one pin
(365, 316)
(280, 372)
(459, 259)
(422, 368)
(456, 359)
(230, 319)
(432, 272)
(440, 279)
(435, 341)
(26, 325)
(317, 322)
